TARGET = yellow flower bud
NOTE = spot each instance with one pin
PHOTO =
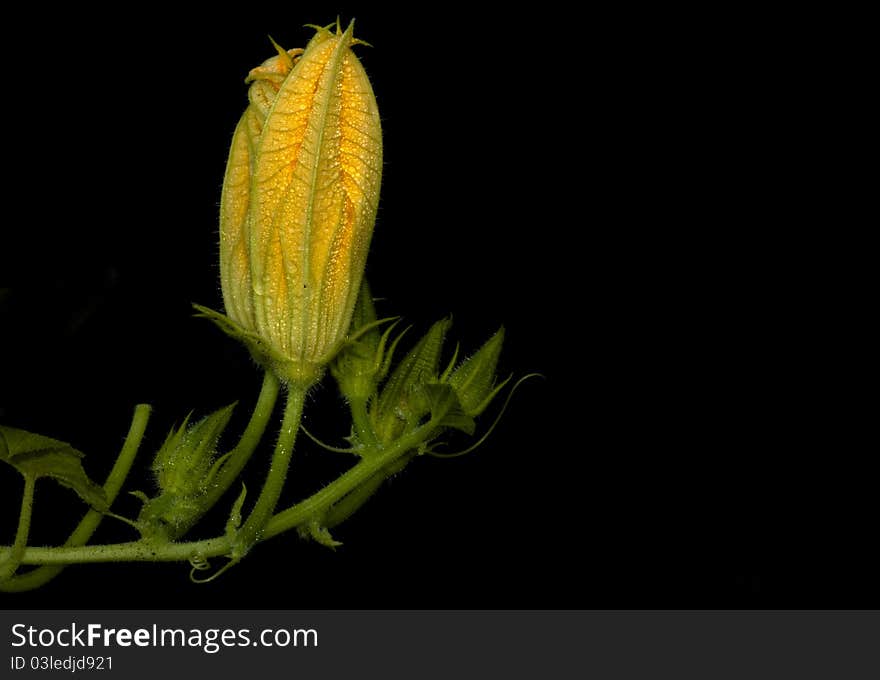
(299, 202)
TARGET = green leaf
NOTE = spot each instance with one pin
(363, 316)
(38, 456)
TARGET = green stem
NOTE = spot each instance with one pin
(253, 527)
(143, 551)
(347, 482)
(89, 523)
(346, 506)
(241, 454)
(362, 425)
(12, 562)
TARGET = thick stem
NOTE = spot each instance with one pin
(253, 527)
(241, 454)
(12, 562)
(91, 520)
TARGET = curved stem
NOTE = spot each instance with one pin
(132, 551)
(89, 523)
(13, 560)
(256, 522)
(347, 482)
(346, 506)
(144, 551)
(241, 454)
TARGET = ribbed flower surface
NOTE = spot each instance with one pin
(299, 201)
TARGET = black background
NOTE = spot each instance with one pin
(620, 190)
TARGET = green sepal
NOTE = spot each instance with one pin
(364, 316)
(140, 495)
(451, 365)
(287, 370)
(362, 361)
(262, 353)
(253, 341)
(34, 455)
(320, 534)
(316, 529)
(234, 521)
(389, 355)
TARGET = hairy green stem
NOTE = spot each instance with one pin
(346, 506)
(283, 521)
(362, 425)
(253, 527)
(240, 455)
(347, 482)
(89, 523)
(13, 560)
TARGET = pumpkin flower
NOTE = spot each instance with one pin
(299, 203)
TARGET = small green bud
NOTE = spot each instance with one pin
(474, 380)
(182, 464)
(184, 467)
(364, 360)
(404, 402)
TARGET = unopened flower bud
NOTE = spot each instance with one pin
(299, 203)
(185, 466)
(474, 380)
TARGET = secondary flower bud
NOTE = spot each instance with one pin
(185, 466)
(299, 203)
(474, 380)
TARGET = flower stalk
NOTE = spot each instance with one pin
(265, 506)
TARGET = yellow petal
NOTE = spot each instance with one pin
(314, 196)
